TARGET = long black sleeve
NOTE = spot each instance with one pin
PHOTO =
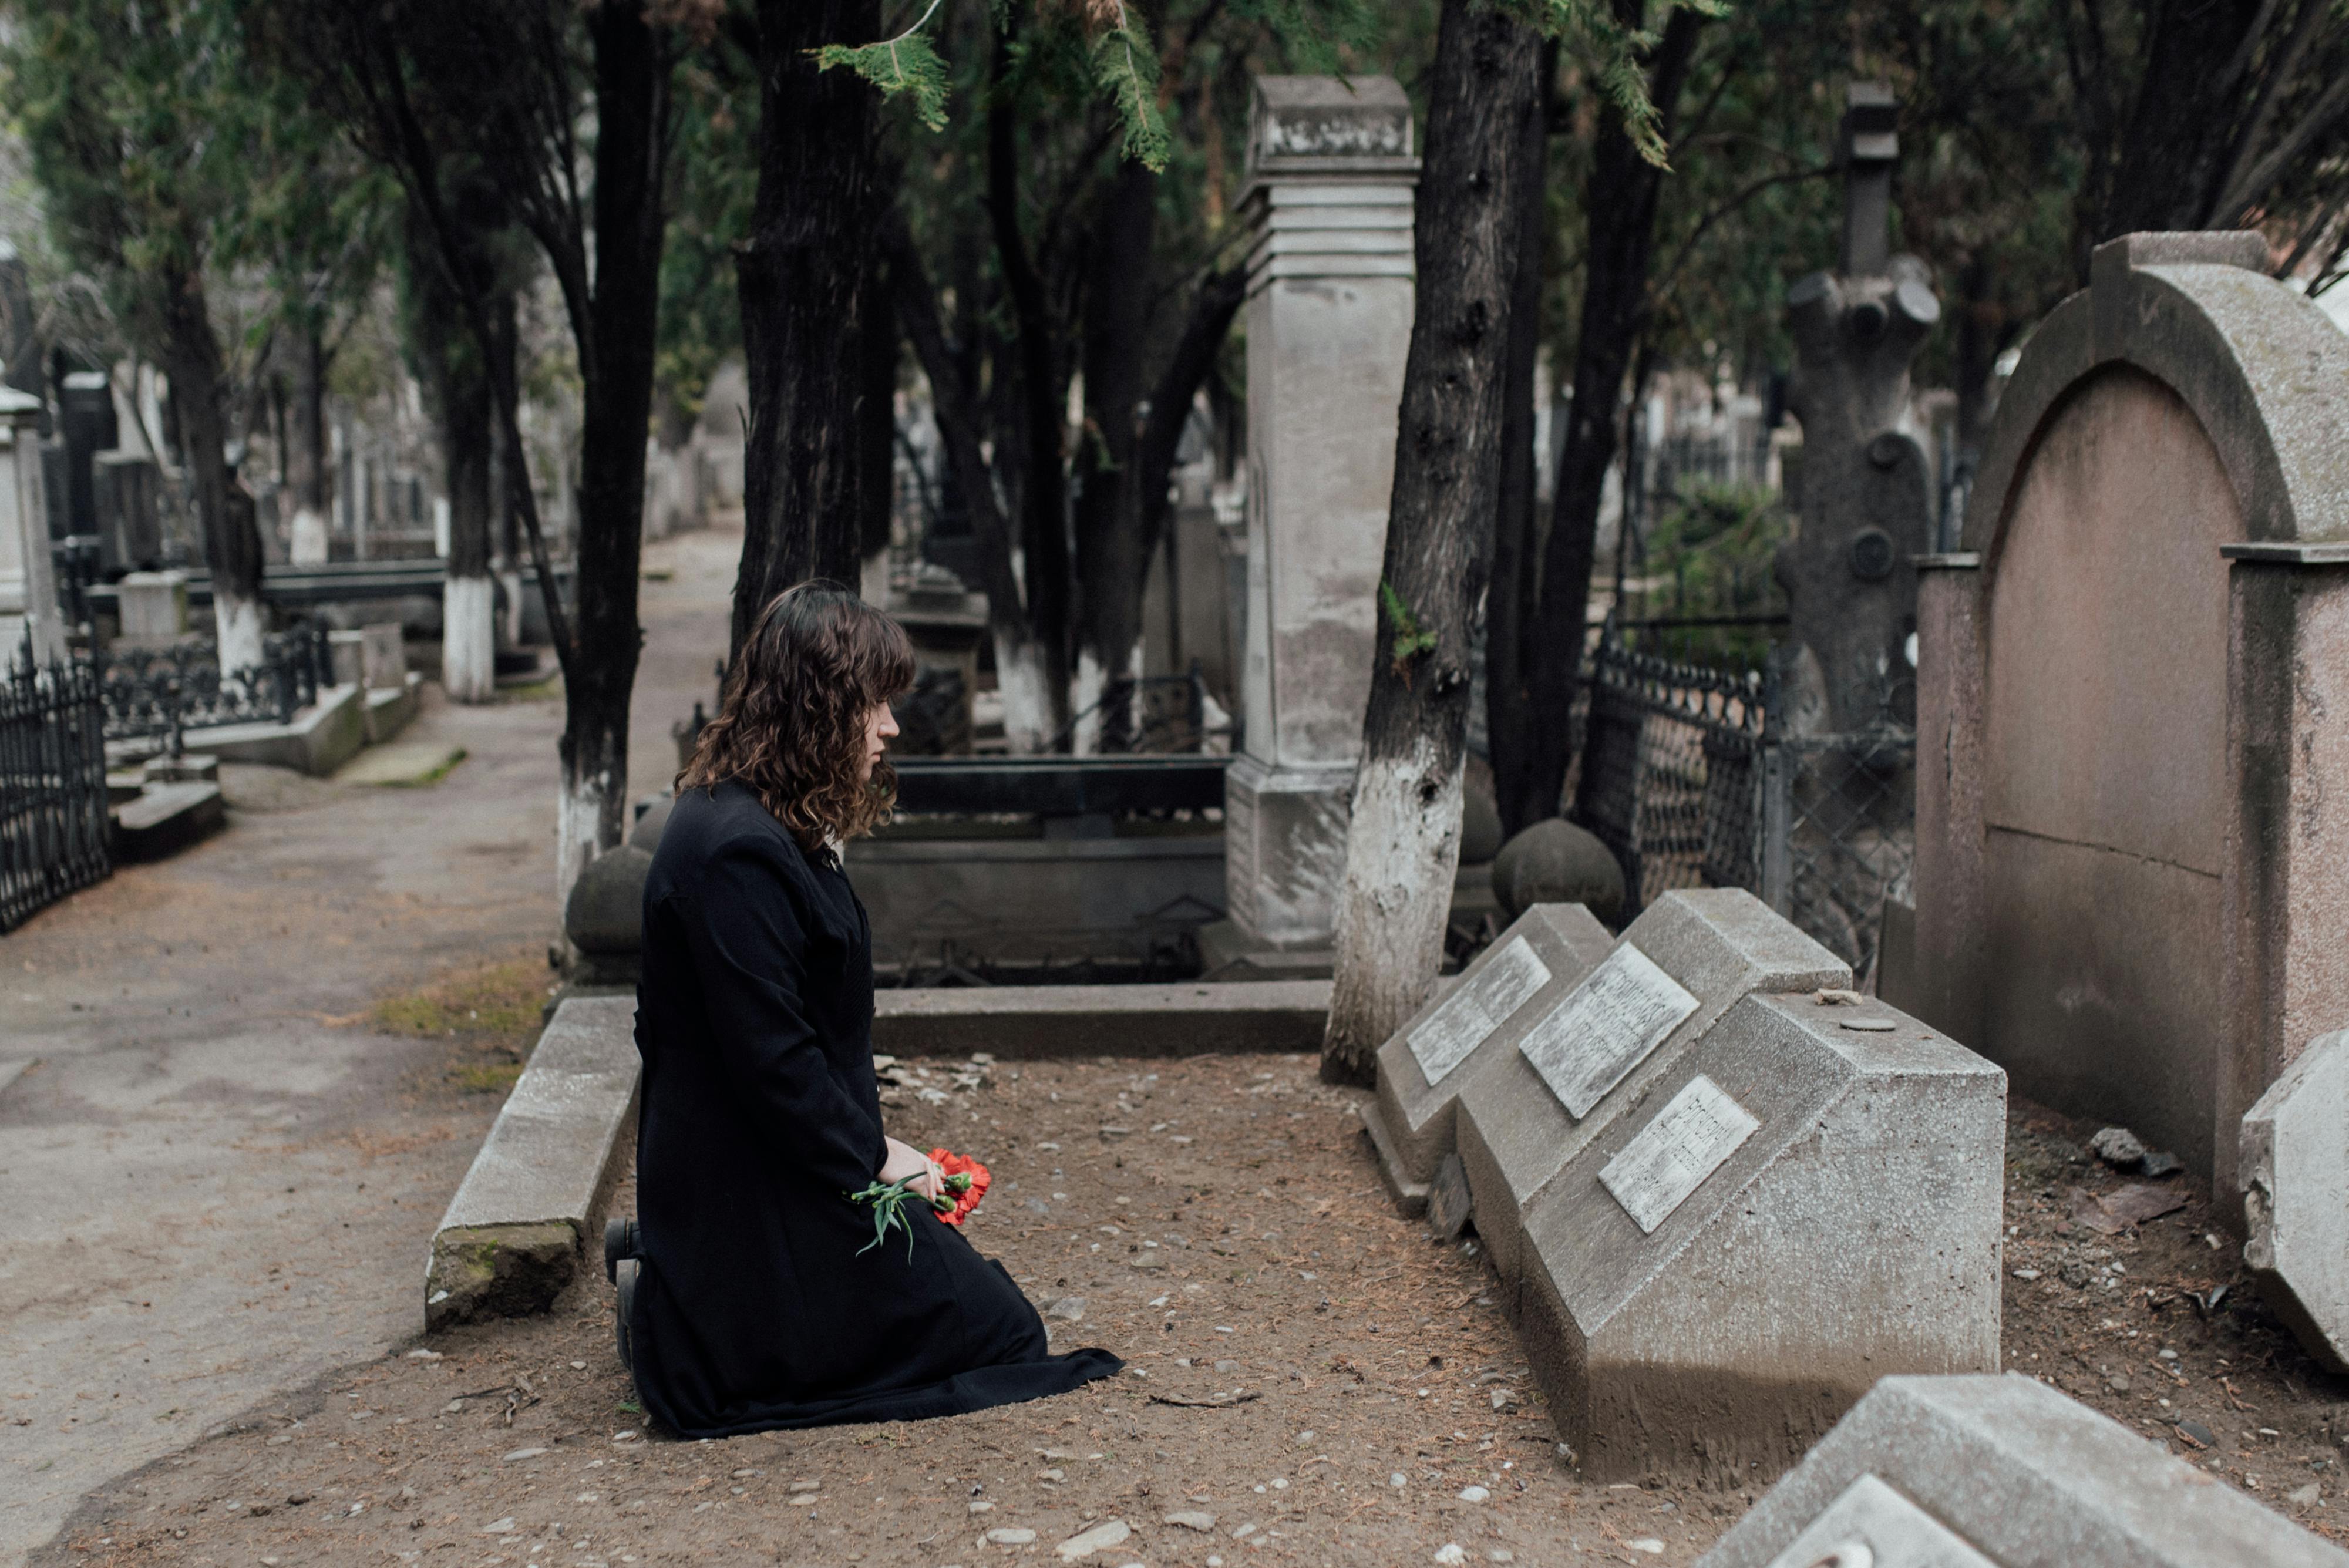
(748, 951)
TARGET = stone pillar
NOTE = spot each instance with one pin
(28, 581)
(1868, 493)
(1332, 174)
(1949, 923)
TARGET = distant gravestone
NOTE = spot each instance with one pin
(153, 606)
(383, 657)
(2132, 870)
(1466, 1031)
(2295, 1168)
(2003, 1472)
(126, 491)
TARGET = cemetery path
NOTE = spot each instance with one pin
(228, 1134)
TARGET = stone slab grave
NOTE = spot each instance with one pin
(1808, 1199)
(513, 1235)
(2295, 1154)
(1468, 1031)
(1618, 1025)
(2003, 1472)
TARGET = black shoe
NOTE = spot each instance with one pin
(624, 1276)
(621, 1239)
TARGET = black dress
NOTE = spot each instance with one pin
(760, 1113)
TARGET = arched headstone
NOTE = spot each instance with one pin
(2133, 729)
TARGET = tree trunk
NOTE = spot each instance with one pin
(507, 464)
(631, 77)
(1509, 603)
(1043, 494)
(469, 622)
(1620, 209)
(805, 292)
(231, 541)
(1018, 662)
(1109, 561)
(1403, 840)
(309, 467)
(877, 436)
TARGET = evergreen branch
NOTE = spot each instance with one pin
(1126, 66)
(904, 63)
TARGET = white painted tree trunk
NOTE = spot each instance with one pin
(1084, 703)
(309, 545)
(579, 808)
(468, 664)
(1403, 850)
(1028, 726)
(238, 622)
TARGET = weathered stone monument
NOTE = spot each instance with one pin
(1722, 1192)
(2133, 840)
(2003, 1472)
(2295, 1149)
(1332, 173)
(126, 496)
(28, 581)
(1867, 494)
(152, 608)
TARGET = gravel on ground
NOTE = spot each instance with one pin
(1310, 1378)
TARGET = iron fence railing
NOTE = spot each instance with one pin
(53, 806)
(1694, 777)
(161, 693)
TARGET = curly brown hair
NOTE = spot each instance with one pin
(791, 728)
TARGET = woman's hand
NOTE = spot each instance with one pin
(904, 1160)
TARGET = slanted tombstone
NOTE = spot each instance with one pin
(1603, 1035)
(1808, 1199)
(1866, 492)
(2295, 1167)
(1464, 1032)
(1330, 177)
(383, 657)
(2132, 872)
(2003, 1472)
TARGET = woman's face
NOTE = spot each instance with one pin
(879, 725)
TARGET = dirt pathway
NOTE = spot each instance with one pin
(224, 1167)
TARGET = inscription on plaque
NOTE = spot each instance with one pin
(1873, 1526)
(1672, 1156)
(1606, 1027)
(1476, 1008)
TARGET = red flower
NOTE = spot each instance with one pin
(967, 1180)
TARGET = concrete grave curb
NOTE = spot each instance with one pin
(316, 741)
(2022, 1474)
(514, 1234)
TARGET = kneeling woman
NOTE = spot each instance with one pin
(757, 1302)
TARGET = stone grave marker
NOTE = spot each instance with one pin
(2130, 889)
(1800, 1198)
(2296, 1166)
(1963, 1472)
(153, 606)
(1607, 1032)
(1465, 1032)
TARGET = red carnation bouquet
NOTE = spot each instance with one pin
(966, 1181)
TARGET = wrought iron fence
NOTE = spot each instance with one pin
(1149, 713)
(1695, 778)
(160, 693)
(53, 816)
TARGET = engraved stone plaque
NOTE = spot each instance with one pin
(1476, 1008)
(1672, 1156)
(1606, 1027)
(1873, 1526)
